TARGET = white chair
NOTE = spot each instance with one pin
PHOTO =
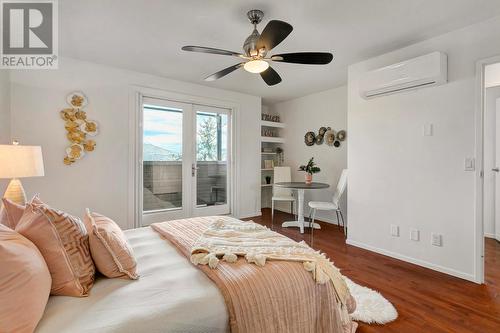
(281, 175)
(333, 205)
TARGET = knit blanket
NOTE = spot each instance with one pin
(270, 283)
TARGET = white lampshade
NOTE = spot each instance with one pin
(20, 161)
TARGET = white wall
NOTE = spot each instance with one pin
(490, 97)
(100, 180)
(492, 75)
(4, 115)
(4, 107)
(397, 176)
(309, 113)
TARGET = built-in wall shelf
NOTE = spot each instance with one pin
(272, 124)
(266, 185)
(264, 153)
(268, 169)
(271, 139)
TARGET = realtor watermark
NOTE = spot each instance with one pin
(28, 38)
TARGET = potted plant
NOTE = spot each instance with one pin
(310, 168)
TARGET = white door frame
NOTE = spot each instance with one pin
(136, 94)
(479, 179)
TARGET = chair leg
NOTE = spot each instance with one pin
(311, 225)
(338, 218)
(343, 223)
(291, 207)
(272, 214)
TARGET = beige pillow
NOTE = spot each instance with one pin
(110, 249)
(24, 283)
(10, 213)
(64, 243)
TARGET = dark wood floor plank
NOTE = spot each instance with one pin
(426, 300)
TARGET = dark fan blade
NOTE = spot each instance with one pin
(307, 58)
(270, 76)
(223, 72)
(273, 34)
(211, 50)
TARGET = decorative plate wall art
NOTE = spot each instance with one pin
(309, 138)
(79, 129)
(325, 134)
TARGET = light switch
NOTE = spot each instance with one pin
(469, 164)
(436, 239)
(428, 130)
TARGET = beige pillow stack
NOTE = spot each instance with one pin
(46, 251)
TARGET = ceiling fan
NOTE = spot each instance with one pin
(257, 46)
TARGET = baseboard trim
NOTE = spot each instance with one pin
(246, 216)
(415, 261)
(488, 235)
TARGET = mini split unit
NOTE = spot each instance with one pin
(424, 71)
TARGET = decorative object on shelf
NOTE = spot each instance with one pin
(78, 128)
(268, 133)
(336, 143)
(330, 137)
(268, 180)
(280, 156)
(267, 150)
(310, 168)
(273, 118)
(268, 164)
(309, 138)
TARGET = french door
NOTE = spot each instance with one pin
(186, 154)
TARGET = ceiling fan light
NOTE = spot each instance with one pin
(256, 66)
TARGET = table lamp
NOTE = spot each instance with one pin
(16, 162)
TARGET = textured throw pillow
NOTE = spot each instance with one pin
(10, 213)
(110, 249)
(64, 243)
(24, 283)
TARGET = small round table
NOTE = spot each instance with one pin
(301, 187)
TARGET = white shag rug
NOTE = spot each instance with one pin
(371, 306)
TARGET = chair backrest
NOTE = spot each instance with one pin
(282, 175)
(341, 186)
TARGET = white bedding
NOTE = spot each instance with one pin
(170, 296)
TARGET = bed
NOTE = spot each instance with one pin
(166, 298)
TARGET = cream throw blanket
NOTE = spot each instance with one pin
(228, 238)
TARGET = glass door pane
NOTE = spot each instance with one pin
(162, 158)
(212, 156)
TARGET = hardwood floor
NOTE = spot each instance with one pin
(427, 301)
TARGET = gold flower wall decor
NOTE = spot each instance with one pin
(78, 128)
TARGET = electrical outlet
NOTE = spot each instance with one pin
(436, 239)
(428, 130)
(394, 230)
(415, 235)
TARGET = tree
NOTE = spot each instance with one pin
(207, 140)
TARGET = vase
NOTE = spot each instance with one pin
(309, 178)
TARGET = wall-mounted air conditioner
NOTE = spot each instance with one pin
(424, 71)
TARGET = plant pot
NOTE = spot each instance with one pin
(309, 178)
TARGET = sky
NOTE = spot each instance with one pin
(163, 129)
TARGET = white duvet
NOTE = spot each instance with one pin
(170, 296)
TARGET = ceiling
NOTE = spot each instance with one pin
(147, 36)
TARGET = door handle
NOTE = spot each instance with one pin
(193, 169)
(496, 169)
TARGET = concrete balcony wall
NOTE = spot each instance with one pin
(163, 184)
